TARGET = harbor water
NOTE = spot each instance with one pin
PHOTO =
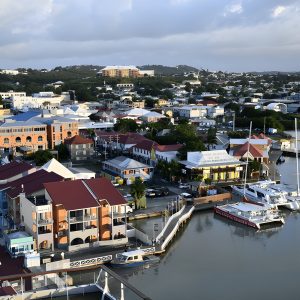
(215, 258)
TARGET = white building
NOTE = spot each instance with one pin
(9, 72)
(10, 94)
(192, 111)
(38, 100)
(215, 111)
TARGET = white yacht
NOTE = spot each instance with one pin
(266, 192)
(250, 214)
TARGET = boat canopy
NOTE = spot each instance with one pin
(246, 207)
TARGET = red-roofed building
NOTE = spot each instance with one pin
(150, 151)
(116, 140)
(241, 153)
(80, 148)
(30, 185)
(87, 211)
(14, 170)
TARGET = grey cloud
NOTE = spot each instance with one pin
(203, 33)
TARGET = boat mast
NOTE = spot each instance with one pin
(248, 148)
(296, 151)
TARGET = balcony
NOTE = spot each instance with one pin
(40, 232)
(90, 217)
(80, 219)
(62, 233)
(43, 221)
(75, 219)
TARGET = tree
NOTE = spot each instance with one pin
(126, 125)
(137, 190)
(42, 156)
(211, 136)
(63, 152)
(1, 101)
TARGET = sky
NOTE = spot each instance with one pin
(238, 35)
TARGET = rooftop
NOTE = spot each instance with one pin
(14, 168)
(78, 140)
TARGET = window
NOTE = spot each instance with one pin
(40, 138)
(69, 134)
(6, 141)
(18, 139)
(28, 139)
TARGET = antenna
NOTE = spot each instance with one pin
(296, 150)
(22, 187)
(248, 148)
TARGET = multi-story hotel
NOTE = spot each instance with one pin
(86, 211)
(16, 134)
(125, 71)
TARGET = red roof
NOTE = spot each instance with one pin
(104, 189)
(7, 291)
(9, 265)
(13, 168)
(146, 145)
(31, 183)
(207, 102)
(79, 194)
(166, 148)
(255, 152)
(78, 140)
(71, 194)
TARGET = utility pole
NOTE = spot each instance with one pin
(233, 123)
(264, 125)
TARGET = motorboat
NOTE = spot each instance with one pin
(133, 258)
(250, 214)
(266, 192)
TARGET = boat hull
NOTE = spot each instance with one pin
(235, 218)
(127, 265)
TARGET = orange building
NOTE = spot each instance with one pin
(121, 71)
(30, 135)
(59, 129)
(87, 211)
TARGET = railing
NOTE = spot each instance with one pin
(81, 218)
(168, 222)
(90, 261)
(176, 227)
(62, 233)
(90, 217)
(44, 221)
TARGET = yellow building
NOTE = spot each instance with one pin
(216, 165)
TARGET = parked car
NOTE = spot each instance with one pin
(186, 195)
(158, 191)
(150, 193)
(183, 185)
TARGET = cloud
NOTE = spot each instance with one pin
(277, 11)
(232, 35)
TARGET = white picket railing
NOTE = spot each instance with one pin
(168, 222)
(176, 227)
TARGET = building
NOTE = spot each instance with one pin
(47, 100)
(9, 72)
(37, 218)
(150, 152)
(126, 168)
(152, 117)
(191, 111)
(10, 94)
(90, 212)
(23, 135)
(120, 71)
(29, 185)
(241, 152)
(80, 148)
(125, 71)
(278, 107)
(19, 243)
(215, 165)
(8, 173)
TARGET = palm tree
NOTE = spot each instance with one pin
(137, 190)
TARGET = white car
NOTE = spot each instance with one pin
(186, 195)
(183, 186)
